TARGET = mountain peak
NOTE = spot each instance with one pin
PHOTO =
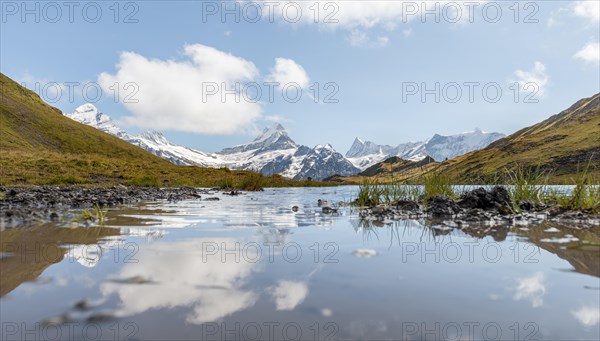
(86, 108)
(155, 136)
(358, 147)
(90, 115)
(277, 126)
(275, 130)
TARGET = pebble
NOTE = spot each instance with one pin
(367, 253)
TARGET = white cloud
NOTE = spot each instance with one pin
(287, 71)
(590, 53)
(288, 294)
(385, 14)
(407, 32)
(358, 16)
(172, 95)
(359, 38)
(534, 81)
(588, 9)
(182, 275)
(532, 289)
(587, 316)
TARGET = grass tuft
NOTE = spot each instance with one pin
(369, 194)
(94, 215)
(436, 184)
(586, 194)
(252, 182)
(527, 184)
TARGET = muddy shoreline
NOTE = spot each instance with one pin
(21, 207)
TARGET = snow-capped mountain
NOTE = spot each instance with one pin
(365, 154)
(272, 152)
(152, 141)
(89, 114)
(156, 143)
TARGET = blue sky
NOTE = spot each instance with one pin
(374, 56)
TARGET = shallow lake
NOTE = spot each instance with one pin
(249, 267)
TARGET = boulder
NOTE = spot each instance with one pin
(442, 206)
(498, 198)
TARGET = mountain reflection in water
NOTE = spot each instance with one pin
(173, 270)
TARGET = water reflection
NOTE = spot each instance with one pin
(532, 289)
(29, 252)
(288, 294)
(187, 273)
(581, 248)
(588, 316)
(198, 263)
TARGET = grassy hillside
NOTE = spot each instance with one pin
(558, 147)
(39, 145)
(397, 165)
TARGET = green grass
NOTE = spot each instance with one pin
(226, 183)
(526, 184)
(530, 185)
(254, 182)
(67, 180)
(369, 194)
(436, 184)
(399, 191)
(94, 215)
(585, 195)
(144, 181)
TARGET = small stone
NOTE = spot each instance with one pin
(56, 320)
(100, 317)
(54, 216)
(326, 312)
(82, 305)
(367, 253)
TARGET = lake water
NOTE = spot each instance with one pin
(248, 267)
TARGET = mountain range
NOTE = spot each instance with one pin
(274, 152)
(559, 148)
(365, 154)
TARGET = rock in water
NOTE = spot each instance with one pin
(501, 196)
(497, 198)
(441, 206)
